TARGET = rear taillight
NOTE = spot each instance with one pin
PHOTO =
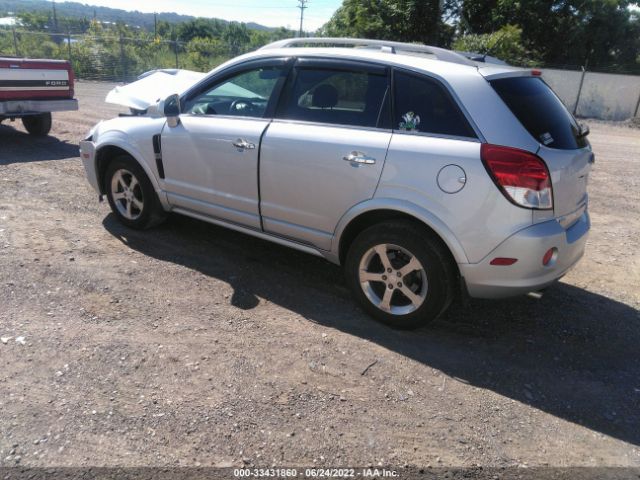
(521, 176)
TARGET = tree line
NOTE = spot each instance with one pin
(117, 51)
(600, 34)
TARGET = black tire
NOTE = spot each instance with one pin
(38, 125)
(151, 213)
(437, 265)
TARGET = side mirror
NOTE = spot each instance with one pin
(172, 110)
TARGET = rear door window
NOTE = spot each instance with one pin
(540, 111)
(337, 96)
(423, 105)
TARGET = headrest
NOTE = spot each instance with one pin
(325, 96)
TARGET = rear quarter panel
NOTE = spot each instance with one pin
(491, 117)
(478, 215)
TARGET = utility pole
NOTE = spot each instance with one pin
(302, 4)
(55, 17)
(15, 41)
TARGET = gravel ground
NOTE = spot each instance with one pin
(192, 345)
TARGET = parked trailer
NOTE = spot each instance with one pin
(31, 89)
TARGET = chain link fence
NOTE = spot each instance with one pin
(115, 58)
(109, 57)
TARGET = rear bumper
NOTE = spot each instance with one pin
(88, 156)
(528, 274)
(21, 108)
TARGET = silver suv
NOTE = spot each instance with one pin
(423, 172)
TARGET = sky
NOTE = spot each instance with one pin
(272, 13)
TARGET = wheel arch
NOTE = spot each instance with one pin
(106, 152)
(361, 217)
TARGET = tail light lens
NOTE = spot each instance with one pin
(521, 176)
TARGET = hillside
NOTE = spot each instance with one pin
(104, 14)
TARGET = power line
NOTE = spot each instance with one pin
(302, 5)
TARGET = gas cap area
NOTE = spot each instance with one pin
(452, 179)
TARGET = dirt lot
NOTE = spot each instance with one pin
(194, 345)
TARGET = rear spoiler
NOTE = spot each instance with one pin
(494, 72)
(482, 58)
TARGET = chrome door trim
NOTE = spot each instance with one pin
(337, 125)
(438, 135)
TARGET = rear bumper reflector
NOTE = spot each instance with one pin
(503, 261)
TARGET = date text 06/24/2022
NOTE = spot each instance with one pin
(314, 473)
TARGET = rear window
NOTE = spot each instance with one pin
(540, 111)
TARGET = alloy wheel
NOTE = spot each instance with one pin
(127, 195)
(393, 279)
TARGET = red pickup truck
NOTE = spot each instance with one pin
(32, 89)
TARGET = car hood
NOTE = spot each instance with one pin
(153, 87)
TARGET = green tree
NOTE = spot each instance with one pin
(401, 20)
(165, 30)
(506, 44)
(205, 53)
(199, 28)
(35, 21)
(597, 32)
(38, 45)
(237, 37)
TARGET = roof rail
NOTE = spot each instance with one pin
(386, 46)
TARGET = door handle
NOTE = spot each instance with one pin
(243, 144)
(359, 157)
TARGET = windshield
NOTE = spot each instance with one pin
(540, 111)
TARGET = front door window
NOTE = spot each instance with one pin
(246, 94)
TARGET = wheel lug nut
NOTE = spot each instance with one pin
(390, 286)
(384, 277)
(399, 284)
(399, 274)
(389, 270)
